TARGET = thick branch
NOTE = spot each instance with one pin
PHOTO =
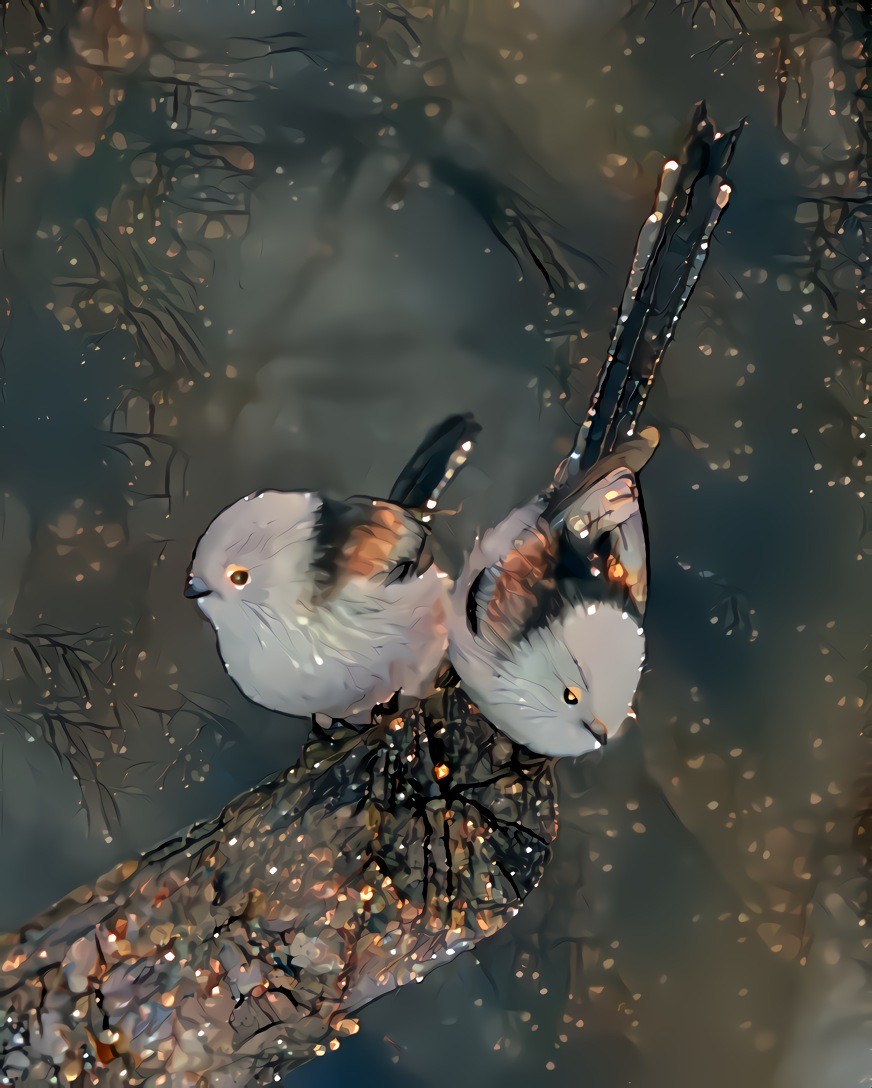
(244, 947)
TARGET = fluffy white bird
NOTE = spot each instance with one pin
(545, 624)
(330, 608)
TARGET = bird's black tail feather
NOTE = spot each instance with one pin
(435, 462)
(670, 253)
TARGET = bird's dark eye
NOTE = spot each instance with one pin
(572, 696)
(238, 575)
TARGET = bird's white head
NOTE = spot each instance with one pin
(566, 687)
(261, 545)
(252, 577)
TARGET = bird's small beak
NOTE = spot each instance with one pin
(196, 588)
(598, 731)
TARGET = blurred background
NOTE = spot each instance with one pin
(267, 244)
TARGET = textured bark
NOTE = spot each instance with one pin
(244, 947)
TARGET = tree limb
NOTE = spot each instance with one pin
(244, 947)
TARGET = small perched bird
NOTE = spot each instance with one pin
(331, 608)
(545, 624)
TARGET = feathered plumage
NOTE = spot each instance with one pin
(328, 607)
(545, 622)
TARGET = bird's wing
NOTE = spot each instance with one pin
(571, 484)
(518, 591)
(603, 545)
(369, 540)
(385, 541)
